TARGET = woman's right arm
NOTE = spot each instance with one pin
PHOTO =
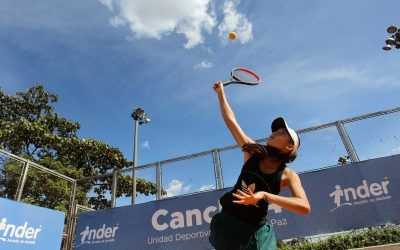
(230, 120)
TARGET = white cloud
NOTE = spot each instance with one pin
(117, 21)
(155, 18)
(176, 187)
(234, 21)
(108, 4)
(158, 18)
(203, 65)
(208, 50)
(146, 144)
(207, 187)
(340, 73)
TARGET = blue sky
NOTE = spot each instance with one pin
(319, 62)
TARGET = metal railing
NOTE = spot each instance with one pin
(321, 146)
(354, 139)
(30, 179)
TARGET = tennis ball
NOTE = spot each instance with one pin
(232, 35)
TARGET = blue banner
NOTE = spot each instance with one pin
(342, 198)
(24, 226)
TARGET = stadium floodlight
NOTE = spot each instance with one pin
(140, 118)
(343, 160)
(391, 29)
(390, 41)
(394, 40)
(387, 47)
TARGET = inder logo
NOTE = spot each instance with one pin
(100, 235)
(19, 234)
(364, 193)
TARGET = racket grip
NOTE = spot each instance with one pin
(226, 83)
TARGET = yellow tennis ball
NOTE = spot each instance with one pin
(232, 35)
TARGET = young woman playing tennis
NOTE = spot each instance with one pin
(242, 222)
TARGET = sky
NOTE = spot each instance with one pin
(319, 61)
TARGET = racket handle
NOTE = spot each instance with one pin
(226, 83)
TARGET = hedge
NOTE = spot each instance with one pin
(373, 236)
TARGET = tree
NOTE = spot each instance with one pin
(29, 127)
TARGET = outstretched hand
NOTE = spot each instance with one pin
(248, 198)
(219, 87)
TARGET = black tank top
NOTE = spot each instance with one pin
(253, 178)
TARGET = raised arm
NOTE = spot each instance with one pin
(230, 120)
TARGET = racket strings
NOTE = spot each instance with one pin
(244, 76)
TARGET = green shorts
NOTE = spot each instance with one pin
(228, 232)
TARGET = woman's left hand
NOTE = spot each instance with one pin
(248, 199)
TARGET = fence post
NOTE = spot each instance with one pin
(134, 183)
(159, 180)
(22, 180)
(347, 142)
(114, 187)
(217, 169)
(71, 217)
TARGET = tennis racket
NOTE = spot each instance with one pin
(243, 76)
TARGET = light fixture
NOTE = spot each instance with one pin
(387, 47)
(394, 39)
(390, 41)
(140, 116)
(392, 29)
(343, 160)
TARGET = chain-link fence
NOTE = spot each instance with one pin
(26, 181)
(69, 242)
(337, 143)
(376, 136)
(10, 173)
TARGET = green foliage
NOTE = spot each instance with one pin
(30, 128)
(373, 236)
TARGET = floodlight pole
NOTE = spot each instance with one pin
(140, 117)
(135, 139)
